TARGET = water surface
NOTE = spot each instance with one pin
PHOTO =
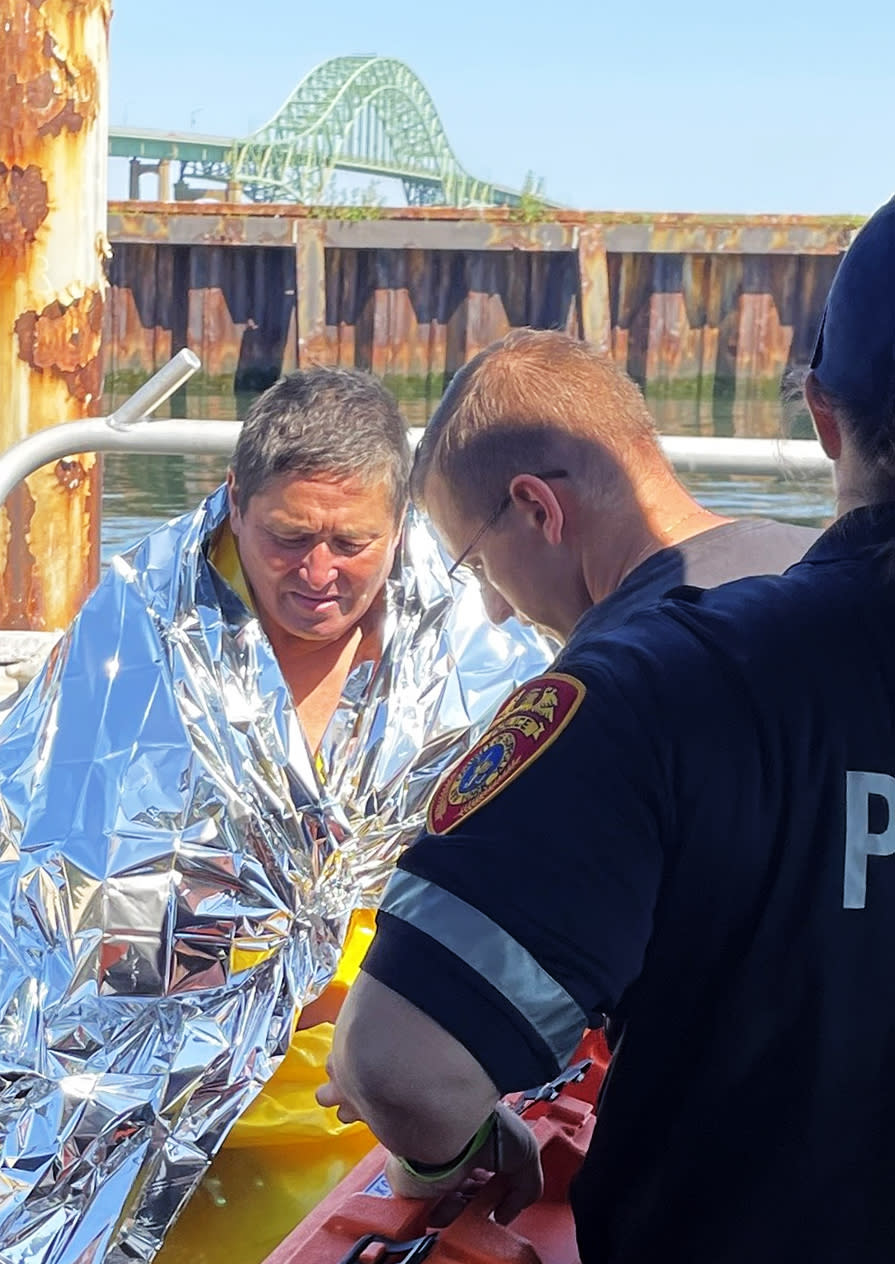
(141, 491)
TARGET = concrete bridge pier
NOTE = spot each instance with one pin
(162, 169)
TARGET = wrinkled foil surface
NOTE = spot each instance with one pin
(177, 870)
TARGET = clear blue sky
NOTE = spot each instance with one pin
(769, 105)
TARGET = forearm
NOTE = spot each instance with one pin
(425, 1097)
(421, 1093)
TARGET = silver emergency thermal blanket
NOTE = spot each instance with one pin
(176, 870)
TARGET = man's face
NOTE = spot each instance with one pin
(510, 571)
(316, 553)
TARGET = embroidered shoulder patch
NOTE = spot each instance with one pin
(525, 726)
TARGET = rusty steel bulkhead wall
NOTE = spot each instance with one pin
(53, 85)
(710, 309)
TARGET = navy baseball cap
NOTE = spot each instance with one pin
(855, 352)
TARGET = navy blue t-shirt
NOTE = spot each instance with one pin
(700, 840)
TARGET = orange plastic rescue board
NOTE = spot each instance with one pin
(353, 1224)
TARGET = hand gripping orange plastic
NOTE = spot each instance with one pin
(543, 1234)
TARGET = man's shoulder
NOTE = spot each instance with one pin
(792, 538)
(695, 632)
(731, 551)
(744, 547)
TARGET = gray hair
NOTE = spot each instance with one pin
(332, 422)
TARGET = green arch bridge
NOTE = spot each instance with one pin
(368, 115)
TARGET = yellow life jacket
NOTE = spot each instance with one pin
(224, 557)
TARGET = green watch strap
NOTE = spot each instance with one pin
(430, 1175)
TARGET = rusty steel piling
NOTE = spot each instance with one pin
(53, 123)
(706, 308)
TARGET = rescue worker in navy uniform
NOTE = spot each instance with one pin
(542, 424)
(689, 824)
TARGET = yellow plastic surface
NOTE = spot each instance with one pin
(283, 1155)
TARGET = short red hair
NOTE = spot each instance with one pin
(529, 402)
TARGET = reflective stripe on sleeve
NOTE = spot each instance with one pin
(492, 953)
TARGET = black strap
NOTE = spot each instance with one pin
(410, 1252)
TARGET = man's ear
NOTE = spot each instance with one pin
(824, 417)
(231, 499)
(535, 498)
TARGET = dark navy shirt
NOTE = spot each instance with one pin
(707, 851)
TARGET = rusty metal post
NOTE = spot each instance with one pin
(310, 292)
(593, 273)
(53, 79)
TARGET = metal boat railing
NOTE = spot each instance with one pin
(131, 428)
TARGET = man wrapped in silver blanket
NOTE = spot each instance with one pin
(218, 766)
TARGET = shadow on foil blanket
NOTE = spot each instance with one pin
(177, 871)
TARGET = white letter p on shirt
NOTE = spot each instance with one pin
(859, 841)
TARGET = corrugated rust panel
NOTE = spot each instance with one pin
(701, 344)
(423, 277)
(402, 315)
(139, 332)
(270, 320)
(714, 294)
(813, 280)
(341, 298)
(766, 318)
(414, 317)
(619, 336)
(667, 321)
(681, 346)
(553, 291)
(724, 314)
(379, 319)
(400, 312)
(212, 332)
(727, 326)
(630, 304)
(720, 325)
(52, 246)
(234, 308)
(486, 316)
(290, 342)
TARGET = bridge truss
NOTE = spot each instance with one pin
(369, 115)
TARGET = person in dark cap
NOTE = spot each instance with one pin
(852, 378)
(689, 824)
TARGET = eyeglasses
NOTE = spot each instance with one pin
(493, 518)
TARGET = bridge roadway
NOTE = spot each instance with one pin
(217, 156)
(157, 146)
